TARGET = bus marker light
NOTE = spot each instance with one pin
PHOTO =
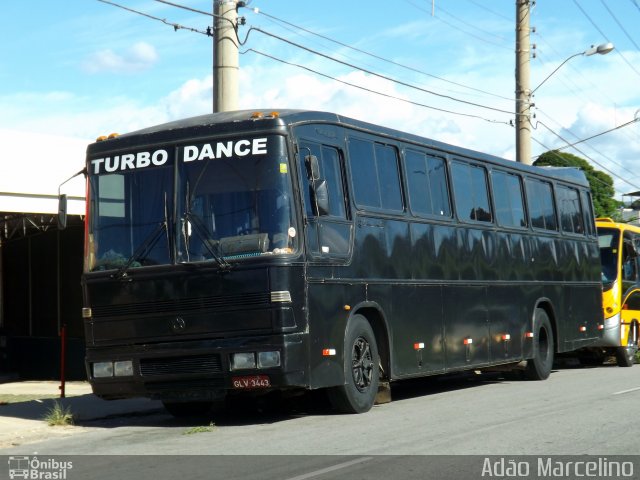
(506, 337)
(418, 346)
(600, 326)
(347, 307)
(256, 115)
(528, 335)
(86, 312)
(582, 328)
(468, 341)
(328, 352)
(113, 135)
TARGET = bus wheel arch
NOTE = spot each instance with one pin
(544, 343)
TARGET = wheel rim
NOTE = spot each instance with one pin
(362, 364)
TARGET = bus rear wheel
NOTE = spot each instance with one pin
(539, 367)
(361, 369)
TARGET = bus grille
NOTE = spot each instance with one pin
(181, 305)
(199, 364)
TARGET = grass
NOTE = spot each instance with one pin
(58, 415)
(200, 429)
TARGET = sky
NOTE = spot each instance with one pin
(76, 69)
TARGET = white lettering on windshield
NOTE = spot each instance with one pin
(129, 161)
(211, 151)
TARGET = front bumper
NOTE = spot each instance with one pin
(196, 370)
(611, 332)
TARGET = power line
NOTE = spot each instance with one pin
(371, 72)
(370, 90)
(377, 57)
(633, 174)
(479, 5)
(619, 24)
(556, 154)
(175, 26)
(605, 36)
(477, 37)
(613, 174)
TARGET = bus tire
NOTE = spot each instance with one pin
(539, 367)
(625, 356)
(361, 369)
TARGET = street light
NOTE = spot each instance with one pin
(601, 49)
(523, 94)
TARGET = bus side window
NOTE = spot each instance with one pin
(329, 166)
(540, 202)
(507, 195)
(470, 190)
(376, 179)
(571, 218)
(587, 208)
(427, 184)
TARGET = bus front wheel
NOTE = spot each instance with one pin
(539, 367)
(361, 369)
(625, 356)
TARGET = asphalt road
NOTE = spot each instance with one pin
(577, 411)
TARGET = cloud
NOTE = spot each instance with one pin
(139, 57)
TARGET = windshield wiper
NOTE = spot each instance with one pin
(142, 251)
(202, 234)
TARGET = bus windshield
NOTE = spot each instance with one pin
(609, 242)
(223, 205)
(236, 207)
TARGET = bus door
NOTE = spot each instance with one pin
(630, 313)
(328, 238)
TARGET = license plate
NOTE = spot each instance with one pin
(253, 381)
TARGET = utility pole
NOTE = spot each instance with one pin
(225, 56)
(523, 87)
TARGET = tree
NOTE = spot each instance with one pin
(602, 190)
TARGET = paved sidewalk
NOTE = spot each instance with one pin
(22, 422)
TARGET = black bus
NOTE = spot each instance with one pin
(252, 252)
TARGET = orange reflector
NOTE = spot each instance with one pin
(625, 307)
(506, 337)
(528, 335)
(418, 346)
(328, 352)
(468, 341)
(582, 328)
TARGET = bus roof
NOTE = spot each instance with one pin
(610, 223)
(253, 120)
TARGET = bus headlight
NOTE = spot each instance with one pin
(103, 369)
(242, 361)
(268, 359)
(123, 369)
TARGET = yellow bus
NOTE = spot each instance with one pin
(619, 254)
